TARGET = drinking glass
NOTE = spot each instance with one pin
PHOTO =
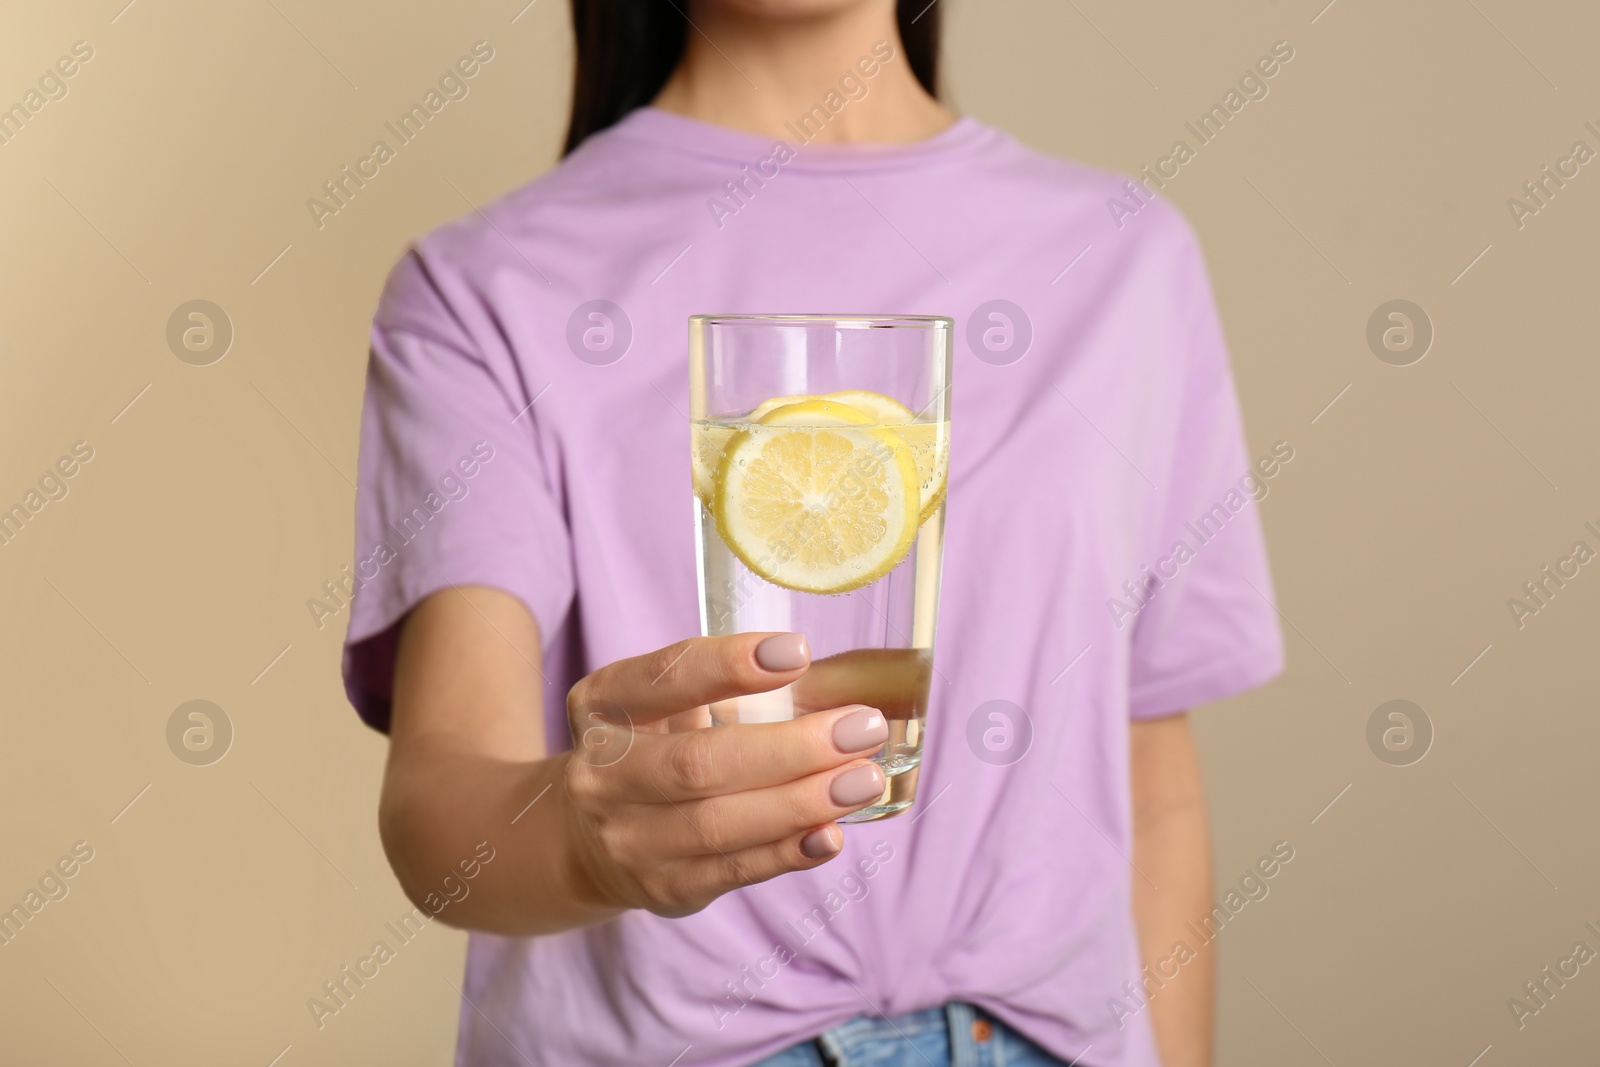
(820, 450)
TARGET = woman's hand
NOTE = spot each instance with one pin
(650, 810)
(670, 814)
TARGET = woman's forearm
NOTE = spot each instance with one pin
(1172, 888)
(1174, 852)
(474, 816)
(486, 844)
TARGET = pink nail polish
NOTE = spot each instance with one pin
(864, 728)
(783, 652)
(819, 843)
(855, 787)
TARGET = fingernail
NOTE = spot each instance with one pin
(819, 843)
(857, 786)
(783, 652)
(863, 728)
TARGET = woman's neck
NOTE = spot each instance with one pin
(763, 75)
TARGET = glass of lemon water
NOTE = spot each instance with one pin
(820, 448)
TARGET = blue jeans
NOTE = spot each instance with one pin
(956, 1035)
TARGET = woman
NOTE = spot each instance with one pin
(525, 546)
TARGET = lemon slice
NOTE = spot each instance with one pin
(765, 406)
(928, 444)
(813, 411)
(876, 406)
(813, 500)
(930, 451)
(711, 438)
(710, 441)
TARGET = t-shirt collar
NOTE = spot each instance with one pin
(666, 129)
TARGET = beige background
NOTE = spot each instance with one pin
(179, 565)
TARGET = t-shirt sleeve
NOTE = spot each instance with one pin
(1208, 628)
(452, 487)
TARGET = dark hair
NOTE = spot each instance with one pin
(627, 49)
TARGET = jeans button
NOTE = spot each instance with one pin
(982, 1031)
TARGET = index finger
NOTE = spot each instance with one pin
(718, 760)
(696, 671)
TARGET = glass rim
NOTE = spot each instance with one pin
(842, 322)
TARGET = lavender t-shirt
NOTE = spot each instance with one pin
(1103, 555)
